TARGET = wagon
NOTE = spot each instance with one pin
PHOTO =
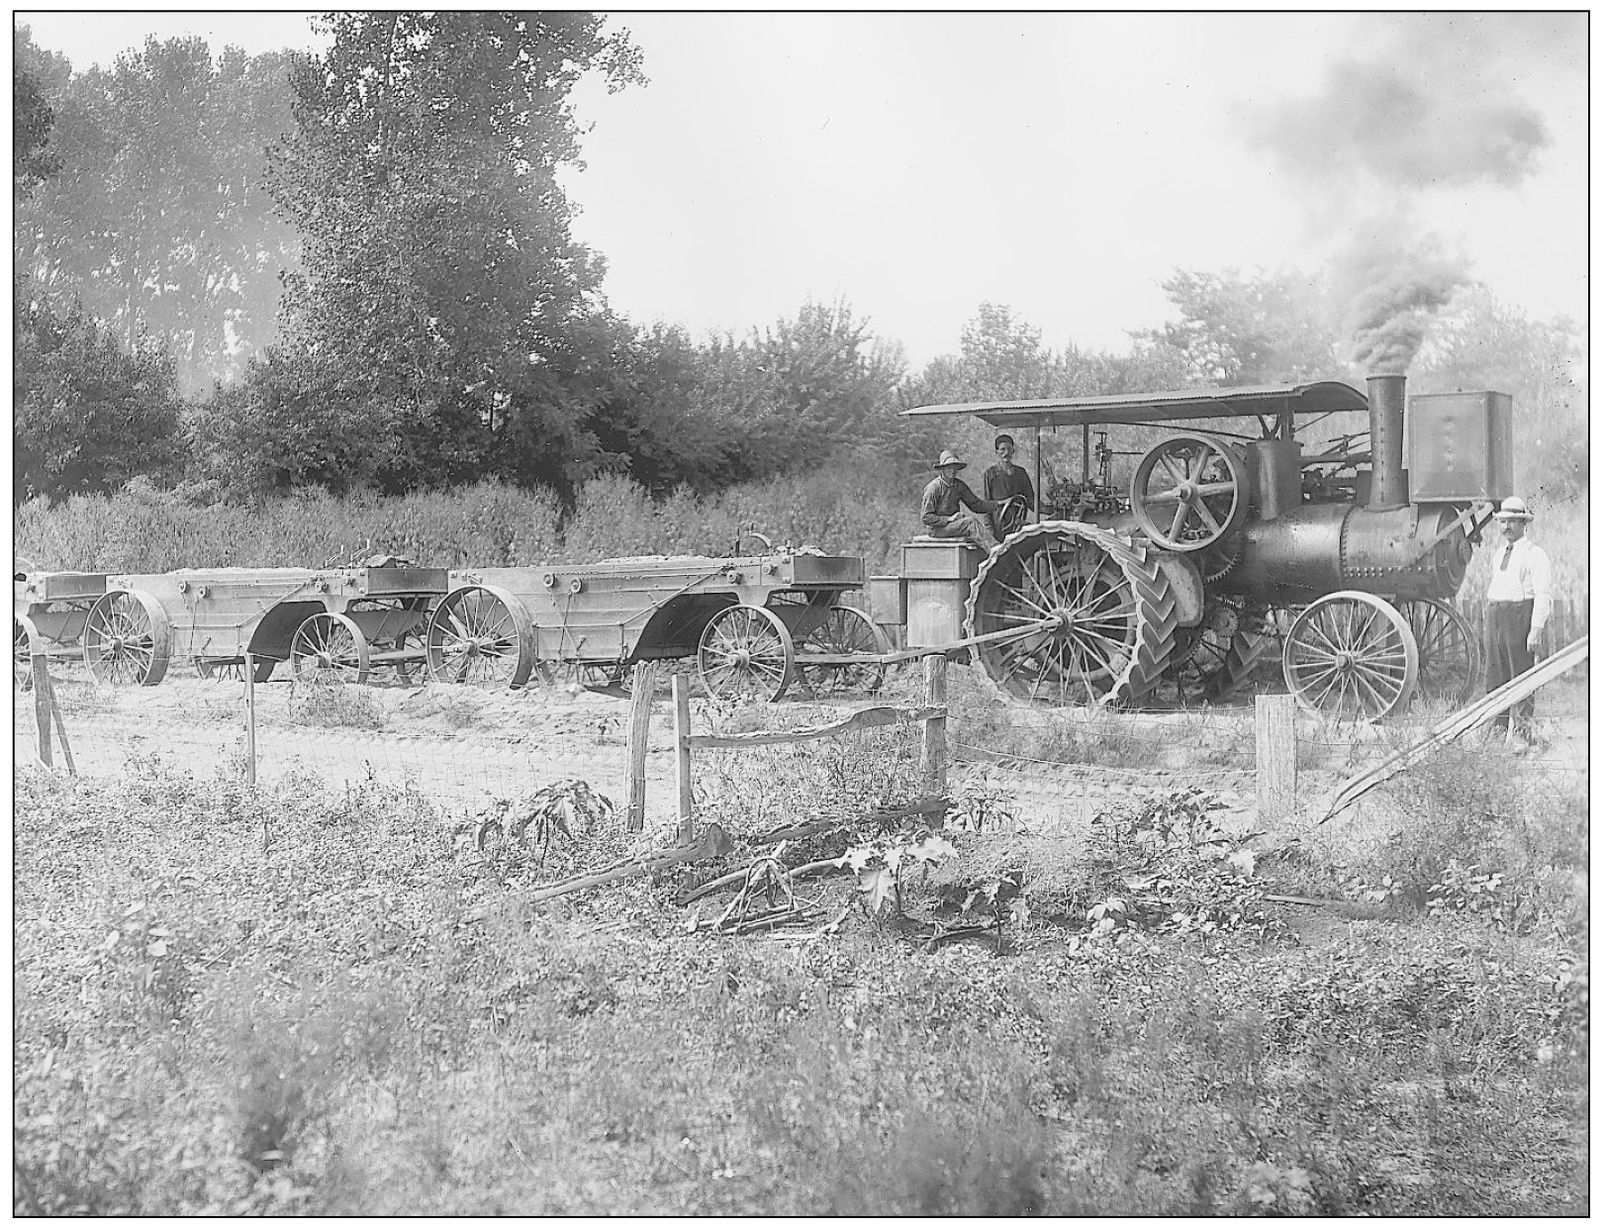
(754, 624)
(338, 622)
(1220, 538)
(49, 610)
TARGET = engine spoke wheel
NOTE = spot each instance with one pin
(22, 633)
(1351, 656)
(480, 636)
(329, 647)
(1451, 657)
(845, 631)
(746, 653)
(127, 639)
(1113, 607)
(1190, 492)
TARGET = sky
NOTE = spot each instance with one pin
(1061, 164)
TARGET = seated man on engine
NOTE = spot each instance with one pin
(1007, 484)
(940, 512)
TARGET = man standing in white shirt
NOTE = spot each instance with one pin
(1518, 606)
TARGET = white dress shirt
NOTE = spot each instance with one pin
(1523, 575)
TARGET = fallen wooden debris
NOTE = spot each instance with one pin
(729, 879)
(713, 843)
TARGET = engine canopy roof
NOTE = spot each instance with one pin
(1138, 408)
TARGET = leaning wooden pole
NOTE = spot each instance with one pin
(645, 681)
(933, 736)
(250, 719)
(43, 704)
(682, 756)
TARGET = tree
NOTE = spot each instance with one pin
(1236, 331)
(89, 413)
(442, 293)
(31, 119)
(158, 221)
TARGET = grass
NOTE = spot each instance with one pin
(303, 1000)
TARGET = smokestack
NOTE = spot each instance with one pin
(1388, 486)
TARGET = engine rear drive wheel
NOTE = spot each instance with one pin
(746, 654)
(845, 631)
(1116, 615)
(480, 635)
(1451, 657)
(1351, 656)
(127, 639)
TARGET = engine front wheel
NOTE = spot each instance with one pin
(1351, 656)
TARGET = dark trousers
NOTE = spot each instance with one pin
(1507, 627)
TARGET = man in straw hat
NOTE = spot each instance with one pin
(939, 506)
(1518, 606)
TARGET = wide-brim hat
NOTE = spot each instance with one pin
(1513, 508)
(946, 458)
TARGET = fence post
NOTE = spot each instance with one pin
(250, 719)
(645, 681)
(682, 755)
(1275, 755)
(44, 701)
(933, 736)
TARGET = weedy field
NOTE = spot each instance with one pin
(319, 999)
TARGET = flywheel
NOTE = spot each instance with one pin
(1115, 611)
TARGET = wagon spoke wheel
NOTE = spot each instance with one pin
(329, 647)
(1451, 658)
(22, 633)
(1351, 656)
(480, 636)
(746, 653)
(845, 631)
(127, 639)
(1189, 492)
(1114, 613)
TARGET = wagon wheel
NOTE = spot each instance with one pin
(1117, 615)
(1451, 657)
(1351, 655)
(127, 639)
(22, 633)
(1189, 492)
(329, 647)
(745, 653)
(845, 631)
(480, 636)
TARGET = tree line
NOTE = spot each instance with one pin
(241, 275)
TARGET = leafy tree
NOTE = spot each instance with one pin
(442, 294)
(31, 118)
(89, 413)
(1236, 331)
(158, 221)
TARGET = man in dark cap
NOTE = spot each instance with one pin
(939, 506)
(1519, 601)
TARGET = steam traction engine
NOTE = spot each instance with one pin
(1225, 539)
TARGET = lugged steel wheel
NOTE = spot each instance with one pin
(1189, 492)
(746, 653)
(845, 631)
(22, 633)
(1351, 656)
(127, 639)
(481, 635)
(1116, 615)
(329, 647)
(1451, 657)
